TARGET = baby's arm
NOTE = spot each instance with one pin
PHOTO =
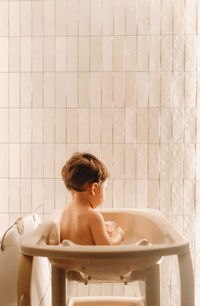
(100, 234)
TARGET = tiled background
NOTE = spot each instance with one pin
(118, 78)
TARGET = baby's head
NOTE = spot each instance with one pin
(82, 170)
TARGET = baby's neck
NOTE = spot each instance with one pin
(81, 199)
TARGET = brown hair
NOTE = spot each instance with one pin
(83, 169)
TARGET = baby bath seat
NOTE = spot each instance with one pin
(125, 263)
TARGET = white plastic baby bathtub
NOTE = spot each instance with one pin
(134, 259)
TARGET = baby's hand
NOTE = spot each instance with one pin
(110, 226)
(121, 232)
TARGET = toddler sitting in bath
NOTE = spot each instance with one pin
(86, 177)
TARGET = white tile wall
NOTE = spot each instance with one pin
(118, 78)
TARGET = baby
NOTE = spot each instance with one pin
(86, 177)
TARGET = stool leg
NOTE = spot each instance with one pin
(24, 281)
(58, 287)
(152, 286)
(186, 279)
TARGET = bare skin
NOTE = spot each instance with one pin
(82, 224)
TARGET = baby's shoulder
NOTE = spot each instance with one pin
(95, 216)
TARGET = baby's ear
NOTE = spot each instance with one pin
(93, 188)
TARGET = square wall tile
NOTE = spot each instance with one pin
(118, 49)
(107, 89)
(166, 53)
(4, 54)
(142, 125)
(4, 5)
(153, 161)
(25, 160)
(37, 193)
(130, 53)
(165, 197)
(178, 52)
(4, 156)
(72, 17)
(14, 124)
(143, 53)
(60, 90)
(142, 17)
(4, 124)
(49, 195)
(14, 160)
(95, 53)
(119, 17)
(14, 18)
(61, 54)
(190, 53)
(119, 86)
(95, 89)
(37, 18)
(107, 53)
(166, 89)
(167, 15)
(95, 125)
(154, 89)
(15, 92)
(154, 53)
(107, 130)
(118, 161)
(142, 82)
(190, 89)
(130, 125)
(37, 54)
(26, 18)
(154, 125)
(4, 89)
(179, 17)
(60, 159)
(49, 126)
(49, 158)
(49, 51)
(130, 89)
(96, 17)
(189, 161)
(14, 195)
(14, 54)
(130, 161)
(189, 197)
(107, 17)
(118, 125)
(165, 161)
(141, 161)
(4, 189)
(177, 161)
(61, 18)
(72, 53)
(83, 124)
(118, 193)
(155, 17)
(37, 161)
(177, 197)
(83, 89)
(191, 17)
(131, 20)
(72, 125)
(60, 126)
(141, 193)
(84, 17)
(72, 89)
(153, 194)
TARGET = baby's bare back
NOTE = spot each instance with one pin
(75, 225)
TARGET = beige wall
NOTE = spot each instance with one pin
(119, 78)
